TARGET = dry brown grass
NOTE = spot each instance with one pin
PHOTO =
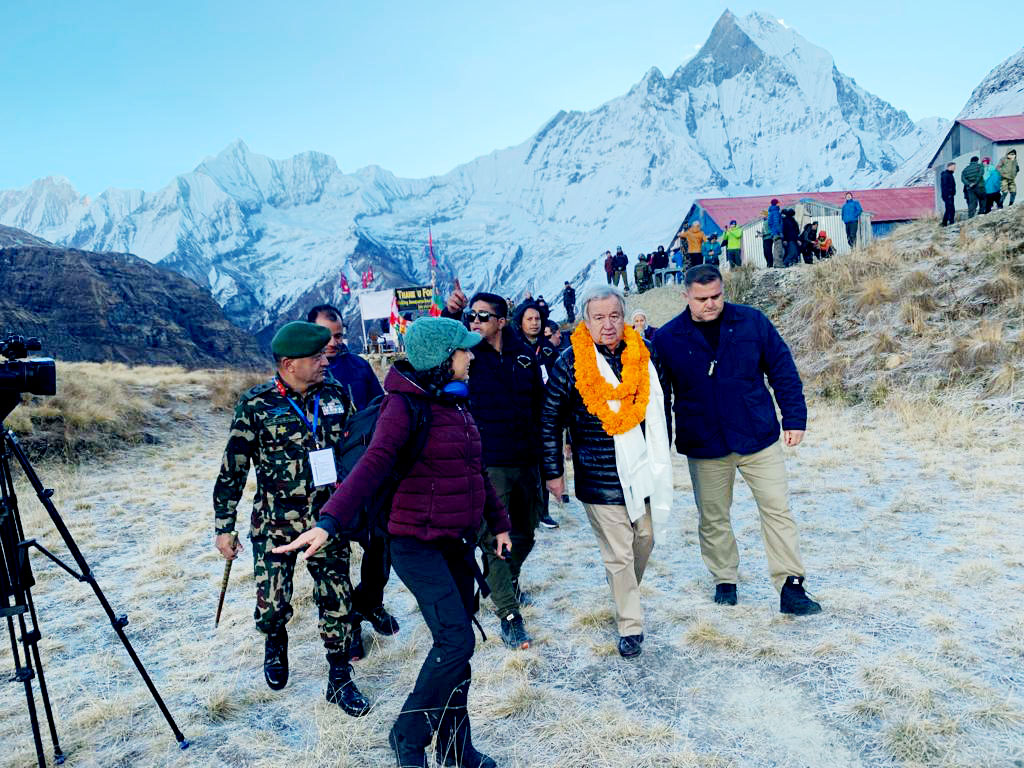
(101, 407)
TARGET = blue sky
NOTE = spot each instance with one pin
(115, 94)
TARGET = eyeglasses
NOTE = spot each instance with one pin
(482, 316)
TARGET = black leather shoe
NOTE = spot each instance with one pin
(405, 755)
(629, 646)
(383, 622)
(725, 594)
(275, 660)
(794, 599)
(341, 690)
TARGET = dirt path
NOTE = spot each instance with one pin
(912, 541)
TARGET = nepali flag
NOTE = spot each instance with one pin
(395, 318)
(435, 303)
(344, 285)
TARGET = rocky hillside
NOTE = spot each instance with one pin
(113, 306)
(925, 312)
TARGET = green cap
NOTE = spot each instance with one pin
(431, 340)
(299, 339)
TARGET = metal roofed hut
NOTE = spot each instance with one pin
(989, 137)
(883, 210)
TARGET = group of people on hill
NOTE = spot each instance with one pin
(469, 442)
(984, 186)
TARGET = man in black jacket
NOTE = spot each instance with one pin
(947, 188)
(505, 394)
(717, 356)
(973, 179)
(619, 496)
(569, 302)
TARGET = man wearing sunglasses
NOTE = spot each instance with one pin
(505, 393)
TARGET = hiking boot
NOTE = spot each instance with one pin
(794, 599)
(629, 646)
(725, 594)
(469, 758)
(513, 633)
(407, 756)
(383, 622)
(275, 660)
(356, 650)
(340, 688)
(548, 521)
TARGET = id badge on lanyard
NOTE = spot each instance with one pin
(321, 461)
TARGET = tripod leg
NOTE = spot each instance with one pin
(58, 753)
(25, 674)
(117, 622)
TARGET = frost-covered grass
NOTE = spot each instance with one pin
(910, 530)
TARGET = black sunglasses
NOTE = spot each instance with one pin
(482, 316)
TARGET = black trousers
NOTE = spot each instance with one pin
(769, 259)
(851, 232)
(440, 576)
(570, 311)
(950, 213)
(974, 201)
(373, 576)
(693, 259)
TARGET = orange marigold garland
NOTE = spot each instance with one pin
(633, 391)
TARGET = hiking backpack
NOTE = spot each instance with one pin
(371, 520)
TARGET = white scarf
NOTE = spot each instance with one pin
(642, 456)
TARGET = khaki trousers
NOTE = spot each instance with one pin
(765, 474)
(625, 549)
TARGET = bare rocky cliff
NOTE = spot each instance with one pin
(113, 306)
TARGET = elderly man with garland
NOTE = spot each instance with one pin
(607, 390)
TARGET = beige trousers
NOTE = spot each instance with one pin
(765, 474)
(625, 549)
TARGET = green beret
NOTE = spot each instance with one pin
(431, 340)
(299, 339)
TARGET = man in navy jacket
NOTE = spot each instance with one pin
(717, 356)
(357, 378)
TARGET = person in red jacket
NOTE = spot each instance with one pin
(436, 512)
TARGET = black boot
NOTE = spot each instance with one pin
(794, 599)
(275, 660)
(725, 594)
(406, 755)
(454, 747)
(340, 688)
(383, 622)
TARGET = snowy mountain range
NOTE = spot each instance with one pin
(758, 109)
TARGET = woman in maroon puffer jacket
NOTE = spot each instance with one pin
(436, 513)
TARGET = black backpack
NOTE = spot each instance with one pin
(371, 520)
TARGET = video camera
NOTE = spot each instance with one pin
(37, 376)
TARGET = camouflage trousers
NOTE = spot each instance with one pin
(332, 590)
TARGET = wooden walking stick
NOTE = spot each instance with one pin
(224, 581)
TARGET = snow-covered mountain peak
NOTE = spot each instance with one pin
(758, 108)
(1001, 92)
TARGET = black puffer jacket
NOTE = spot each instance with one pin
(505, 393)
(593, 449)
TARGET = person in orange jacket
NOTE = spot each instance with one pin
(825, 249)
(694, 243)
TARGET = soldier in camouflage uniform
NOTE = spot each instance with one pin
(277, 426)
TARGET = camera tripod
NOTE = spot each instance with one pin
(16, 582)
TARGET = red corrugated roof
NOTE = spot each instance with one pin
(899, 204)
(1006, 128)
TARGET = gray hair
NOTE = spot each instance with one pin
(602, 291)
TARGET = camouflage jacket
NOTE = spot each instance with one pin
(267, 431)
